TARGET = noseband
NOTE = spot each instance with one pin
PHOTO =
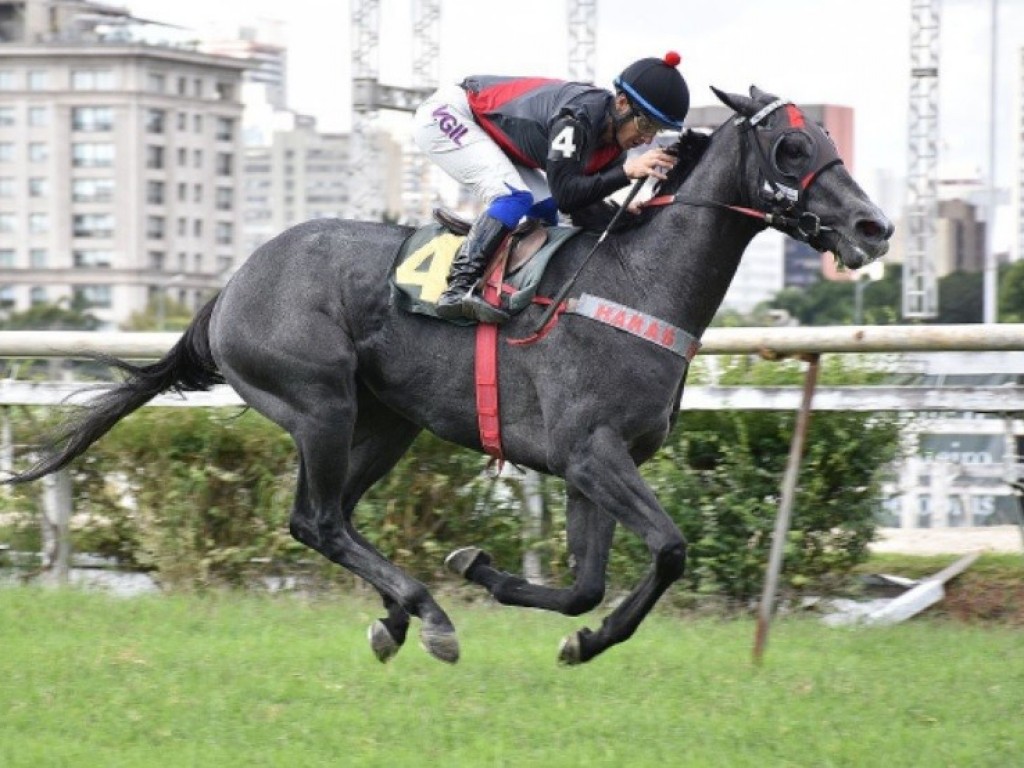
(782, 187)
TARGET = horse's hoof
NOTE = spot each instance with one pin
(462, 560)
(383, 644)
(569, 652)
(441, 644)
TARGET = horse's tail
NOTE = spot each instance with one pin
(188, 366)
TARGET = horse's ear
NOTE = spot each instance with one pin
(737, 103)
(762, 96)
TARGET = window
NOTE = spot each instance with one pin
(7, 186)
(225, 233)
(182, 86)
(92, 225)
(86, 296)
(92, 119)
(182, 157)
(155, 192)
(182, 226)
(8, 223)
(197, 88)
(38, 80)
(38, 151)
(6, 258)
(225, 91)
(155, 120)
(156, 260)
(7, 117)
(8, 80)
(37, 258)
(38, 186)
(197, 123)
(197, 228)
(37, 295)
(154, 157)
(92, 190)
(182, 121)
(182, 192)
(225, 129)
(197, 158)
(156, 82)
(197, 193)
(92, 155)
(155, 227)
(38, 117)
(99, 259)
(38, 223)
(6, 151)
(225, 163)
(225, 199)
(93, 80)
(6, 296)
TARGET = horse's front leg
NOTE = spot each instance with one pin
(602, 468)
(589, 533)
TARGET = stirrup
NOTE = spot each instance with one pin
(475, 307)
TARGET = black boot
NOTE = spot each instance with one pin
(468, 267)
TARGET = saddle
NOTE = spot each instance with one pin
(420, 272)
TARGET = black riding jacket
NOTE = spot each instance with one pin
(554, 126)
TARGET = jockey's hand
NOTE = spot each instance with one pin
(653, 163)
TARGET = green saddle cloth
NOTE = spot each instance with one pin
(420, 272)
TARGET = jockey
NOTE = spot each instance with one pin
(534, 146)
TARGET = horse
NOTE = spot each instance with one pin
(306, 333)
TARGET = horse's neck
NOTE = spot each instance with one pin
(690, 253)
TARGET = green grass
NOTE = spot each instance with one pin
(89, 680)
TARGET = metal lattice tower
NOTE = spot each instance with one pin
(364, 198)
(582, 39)
(920, 284)
(419, 193)
(369, 95)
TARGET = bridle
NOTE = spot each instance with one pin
(783, 182)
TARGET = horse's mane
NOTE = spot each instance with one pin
(690, 148)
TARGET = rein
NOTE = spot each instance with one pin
(786, 202)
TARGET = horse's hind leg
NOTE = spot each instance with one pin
(314, 397)
(380, 439)
(589, 532)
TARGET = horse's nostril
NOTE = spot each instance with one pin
(874, 229)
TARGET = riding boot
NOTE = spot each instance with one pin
(468, 267)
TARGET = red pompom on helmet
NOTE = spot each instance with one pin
(657, 89)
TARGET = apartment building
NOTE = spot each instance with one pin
(119, 167)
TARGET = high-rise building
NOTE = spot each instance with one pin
(119, 163)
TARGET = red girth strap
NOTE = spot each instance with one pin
(487, 410)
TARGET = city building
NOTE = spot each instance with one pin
(303, 174)
(119, 163)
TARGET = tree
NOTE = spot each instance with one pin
(1011, 293)
(57, 316)
(960, 298)
(161, 315)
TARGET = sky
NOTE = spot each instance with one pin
(850, 52)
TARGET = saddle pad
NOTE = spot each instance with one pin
(420, 272)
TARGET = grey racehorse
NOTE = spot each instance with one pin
(306, 334)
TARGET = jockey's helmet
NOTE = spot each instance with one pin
(657, 90)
